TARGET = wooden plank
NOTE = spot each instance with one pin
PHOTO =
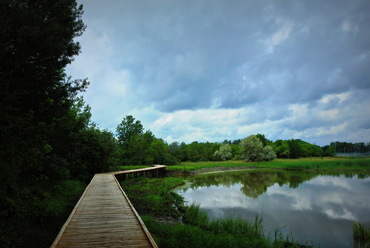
(104, 217)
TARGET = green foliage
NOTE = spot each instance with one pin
(128, 129)
(133, 142)
(296, 148)
(329, 151)
(264, 140)
(361, 235)
(221, 233)
(137, 147)
(345, 147)
(320, 164)
(296, 164)
(224, 152)
(46, 138)
(63, 196)
(159, 151)
(253, 150)
(281, 147)
(153, 196)
(199, 217)
(187, 166)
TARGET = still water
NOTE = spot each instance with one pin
(314, 208)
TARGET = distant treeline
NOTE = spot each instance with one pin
(292, 148)
(345, 147)
(143, 148)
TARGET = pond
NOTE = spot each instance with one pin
(313, 208)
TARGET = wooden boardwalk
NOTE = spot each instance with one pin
(104, 217)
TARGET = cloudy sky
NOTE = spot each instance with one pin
(210, 70)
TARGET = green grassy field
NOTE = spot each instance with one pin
(325, 163)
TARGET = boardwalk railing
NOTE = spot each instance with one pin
(105, 217)
(154, 171)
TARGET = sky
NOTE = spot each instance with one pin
(215, 70)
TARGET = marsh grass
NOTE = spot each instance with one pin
(186, 235)
(361, 235)
(313, 163)
(198, 230)
(228, 225)
(154, 196)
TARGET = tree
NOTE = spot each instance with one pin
(281, 147)
(224, 152)
(268, 153)
(159, 151)
(134, 142)
(253, 150)
(128, 129)
(37, 42)
(329, 151)
(263, 139)
(295, 148)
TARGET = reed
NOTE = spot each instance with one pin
(230, 233)
(361, 233)
(349, 164)
(229, 225)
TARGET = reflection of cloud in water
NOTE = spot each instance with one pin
(334, 198)
(211, 197)
(345, 214)
(298, 201)
(320, 209)
(327, 181)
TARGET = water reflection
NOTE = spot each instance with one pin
(313, 207)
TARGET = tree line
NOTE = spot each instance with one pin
(345, 147)
(138, 147)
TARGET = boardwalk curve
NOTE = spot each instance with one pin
(105, 217)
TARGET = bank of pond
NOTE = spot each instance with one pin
(256, 208)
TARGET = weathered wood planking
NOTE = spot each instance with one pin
(104, 217)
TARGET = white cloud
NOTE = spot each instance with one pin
(280, 35)
(348, 26)
(330, 97)
(214, 80)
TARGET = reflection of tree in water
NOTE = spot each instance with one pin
(254, 184)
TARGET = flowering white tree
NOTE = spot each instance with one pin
(254, 151)
(224, 152)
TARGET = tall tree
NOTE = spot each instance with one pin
(36, 43)
(134, 142)
(128, 129)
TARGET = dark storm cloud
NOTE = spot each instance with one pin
(295, 68)
(204, 50)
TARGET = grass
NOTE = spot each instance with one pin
(199, 217)
(199, 231)
(153, 195)
(208, 164)
(361, 235)
(326, 163)
(319, 164)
